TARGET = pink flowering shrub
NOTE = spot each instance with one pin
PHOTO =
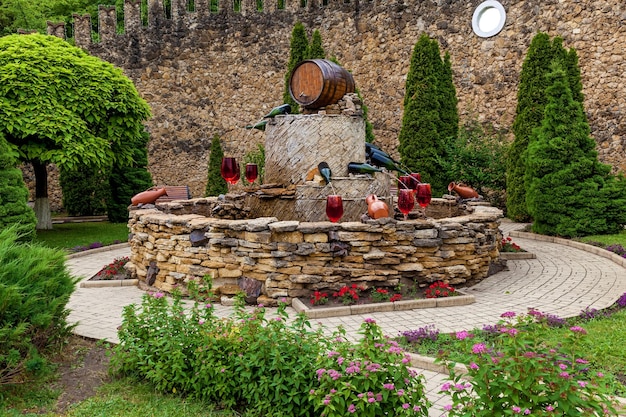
(371, 378)
(520, 375)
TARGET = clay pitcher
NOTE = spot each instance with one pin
(148, 196)
(376, 208)
(462, 190)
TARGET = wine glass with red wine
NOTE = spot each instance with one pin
(334, 208)
(423, 195)
(252, 172)
(406, 201)
(230, 170)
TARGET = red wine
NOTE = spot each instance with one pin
(423, 194)
(334, 208)
(406, 201)
(230, 170)
(252, 172)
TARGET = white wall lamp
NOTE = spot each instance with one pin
(489, 19)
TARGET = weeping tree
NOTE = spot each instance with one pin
(59, 105)
(570, 193)
(14, 209)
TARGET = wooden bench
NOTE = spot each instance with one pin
(175, 192)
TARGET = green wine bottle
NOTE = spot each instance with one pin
(325, 172)
(382, 160)
(362, 168)
(282, 109)
(260, 125)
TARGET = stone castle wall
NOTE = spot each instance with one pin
(205, 73)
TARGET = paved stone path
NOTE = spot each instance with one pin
(562, 280)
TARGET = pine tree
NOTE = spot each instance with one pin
(216, 185)
(430, 116)
(531, 100)
(14, 209)
(126, 181)
(298, 52)
(570, 193)
(316, 50)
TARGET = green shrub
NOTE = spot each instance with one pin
(520, 375)
(14, 209)
(85, 190)
(478, 158)
(369, 379)
(35, 287)
(268, 366)
(216, 184)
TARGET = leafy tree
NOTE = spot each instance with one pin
(316, 50)
(531, 101)
(60, 105)
(570, 193)
(428, 111)
(85, 190)
(14, 209)
(215, 185)
(299, 46)
(126, 180)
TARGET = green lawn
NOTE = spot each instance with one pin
(70, 235)
(618, 239)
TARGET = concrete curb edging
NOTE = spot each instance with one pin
(459, 300)
(97, 250)
(572, 243)
(515, 256)
(109, 283)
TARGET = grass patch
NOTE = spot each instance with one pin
(128, 398)
(70, 235)
(605, 240)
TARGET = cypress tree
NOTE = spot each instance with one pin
(316, 50)
(298, 52)
(531, 100)
(570, 193)
(449, 129)
(430, 115)
(14, 209)
(127, 180)
(216, 185)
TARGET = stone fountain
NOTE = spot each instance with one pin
(274, 242)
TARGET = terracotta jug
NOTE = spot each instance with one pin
(148, 196)
(462, 190)
(376, 208)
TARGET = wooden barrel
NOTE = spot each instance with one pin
(316, 83)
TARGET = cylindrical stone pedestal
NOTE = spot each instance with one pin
(295, 144)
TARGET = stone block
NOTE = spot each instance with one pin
(459, 300)
(371, 308)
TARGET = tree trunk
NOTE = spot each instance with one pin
(42, 205)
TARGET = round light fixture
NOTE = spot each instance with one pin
(489, 18)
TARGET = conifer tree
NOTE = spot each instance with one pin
(531, 100)
(14, 209)
(299, 47)
(570, 193)
(316, 50)
(429, 109)
(216, 185)
(127, 180)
